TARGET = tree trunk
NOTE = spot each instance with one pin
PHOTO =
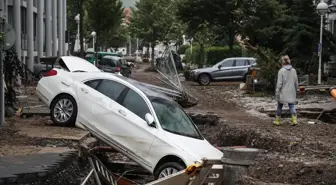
(202, 62)
(152, 56)
(81, 28)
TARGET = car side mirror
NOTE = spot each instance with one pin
(150, 120)
(219, 67)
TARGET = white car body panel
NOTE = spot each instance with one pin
(117, 126)
(78, 64)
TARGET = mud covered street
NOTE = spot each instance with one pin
(302, 155)
(295, 155)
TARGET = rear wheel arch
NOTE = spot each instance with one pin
(169, 158)
(62, 94)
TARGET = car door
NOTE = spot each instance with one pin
(120, 125)
(240, 69)
(224, 71)
(87, 96)
(141, 136)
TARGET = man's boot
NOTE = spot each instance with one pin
(294, 120)
(277, 121)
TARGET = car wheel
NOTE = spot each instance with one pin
(204, 79)
(168, 169)
(64, 111)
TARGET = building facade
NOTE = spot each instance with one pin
(40, 27)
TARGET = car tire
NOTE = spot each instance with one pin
(67, 115)
(168, 169)
(204, 79)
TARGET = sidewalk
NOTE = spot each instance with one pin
(26, 169)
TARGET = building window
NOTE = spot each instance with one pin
(23, 20)
(10, 15)
(35, 20)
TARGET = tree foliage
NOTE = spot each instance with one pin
(104, 17)
(152, 20)
(216, 13)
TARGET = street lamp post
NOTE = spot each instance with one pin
(77, 19)
(191, 46)
(94, 35)
(322, 9)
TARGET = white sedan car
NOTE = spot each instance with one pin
(145, 125)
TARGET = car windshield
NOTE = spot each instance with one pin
(173, 119)
(218, 63)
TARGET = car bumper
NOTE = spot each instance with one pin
(193, 76)
(43, 94)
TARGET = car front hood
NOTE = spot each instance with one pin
(197, 148)
(201, 70)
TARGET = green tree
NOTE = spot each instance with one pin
(217, 13)
(119, 37)
(263, 22)
(73, 8)
(151, 20)
(302, 37)
(104, 17)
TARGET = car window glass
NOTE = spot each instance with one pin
(240, 62)
(92, 83)
(113, 63)
(103, 61)
(173, 119)
(228, 63)
(136, 104)
(110, 89)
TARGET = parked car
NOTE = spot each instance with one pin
(46, 64)
(91, 56)
(114, 64)
(227, 69)
(145, 125)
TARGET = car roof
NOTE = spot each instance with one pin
(139, 85)
(251, 58)
(144, 88)
(112, 57)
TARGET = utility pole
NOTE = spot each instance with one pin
(81, 27)
(130, 45)
(2, 85)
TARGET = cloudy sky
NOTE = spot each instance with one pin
(128, 3)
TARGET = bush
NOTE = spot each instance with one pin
(216, 54)
(213, 54)
(193, 58)
(182, 50)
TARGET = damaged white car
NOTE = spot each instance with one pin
(143, 124)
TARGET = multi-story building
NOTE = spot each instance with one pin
(40, 28)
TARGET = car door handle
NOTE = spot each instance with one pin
(85, 90)
(122, 112)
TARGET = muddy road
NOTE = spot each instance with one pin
(305, 154)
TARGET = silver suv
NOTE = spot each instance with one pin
(227, 69)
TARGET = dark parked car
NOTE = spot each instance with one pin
(114, 64)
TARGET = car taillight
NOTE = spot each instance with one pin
(118, 69)
(302, 89)
(51, 73)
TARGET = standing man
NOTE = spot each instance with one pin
(286, 89)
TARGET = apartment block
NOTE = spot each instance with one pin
(40, 27)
